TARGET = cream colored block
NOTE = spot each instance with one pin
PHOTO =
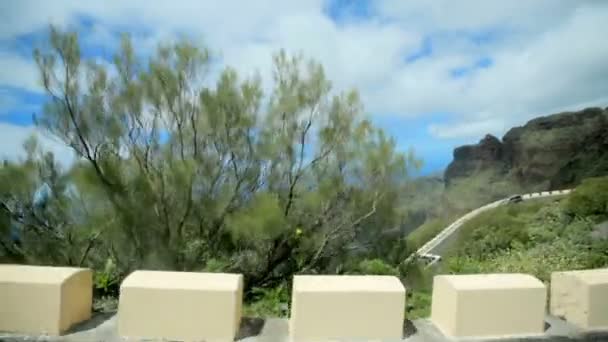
(182, 306)
(562, 291)
(488, 305)
(581, 297)
(44, 300)
(346, 307)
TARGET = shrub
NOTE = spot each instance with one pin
(106, 281)
(590, 198)
(573, 250)
(418, 305)
(271, 302)
(491, 232)
(377, 267)
(216, 265)
(499, 229)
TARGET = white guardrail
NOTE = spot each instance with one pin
(424, 251)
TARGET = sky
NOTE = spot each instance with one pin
(434, 74)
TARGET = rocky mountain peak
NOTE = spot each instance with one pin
(547, 152)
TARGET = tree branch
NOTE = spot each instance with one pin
(72, 115)
(85, 254)
(311, 262)
(298, 174)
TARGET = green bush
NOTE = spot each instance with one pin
(106, 281)
(271, 302)
(535, 237)
(541, 243)
(419, 305)
(416, 276)
(376, 267)
(499, 229)
(540, 261)
(418, 283)
(598, 253)
(216, 265)
(589, 199)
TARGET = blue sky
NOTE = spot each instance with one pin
(434, 74)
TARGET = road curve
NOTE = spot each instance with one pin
(426, 251)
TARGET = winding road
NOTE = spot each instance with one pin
(431, 250)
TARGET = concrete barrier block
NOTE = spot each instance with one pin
(182, 306)
(581, 297)
(41, 300)
(562, 291)
(347, 307)
(488, 305)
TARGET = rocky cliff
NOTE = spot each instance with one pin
(548, 152)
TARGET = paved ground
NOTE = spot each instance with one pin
(102, 328)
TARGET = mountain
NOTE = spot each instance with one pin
(549, 152)
(421, 201)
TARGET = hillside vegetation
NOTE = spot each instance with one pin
(537, 237)
(551, 152)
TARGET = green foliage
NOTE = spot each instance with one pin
(107, 279)
(539, 261)
(418, 305)
(262, 219)
(177, 174)
(39, 212)
(500, 228)
(271, 302)
(377, 267)
(590, 198)
(535, 237)
(217, 265)
(418, 282)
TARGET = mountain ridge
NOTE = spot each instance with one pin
(548, 152)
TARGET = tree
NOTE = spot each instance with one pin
(37, 212)
(263, 184)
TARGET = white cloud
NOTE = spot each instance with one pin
(548, 55)
(13, 137)
(467, 129)
(18, 72)
(471, 15)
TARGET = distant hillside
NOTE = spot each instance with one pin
(550, 152)
(420, 201)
